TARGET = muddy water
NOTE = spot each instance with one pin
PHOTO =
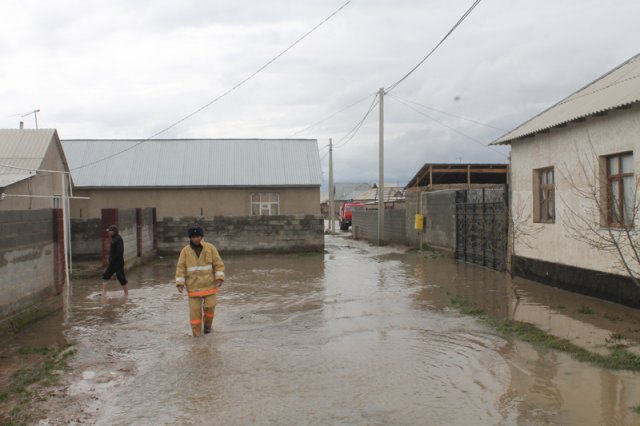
(359, 335)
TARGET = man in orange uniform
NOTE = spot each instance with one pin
(201, 270)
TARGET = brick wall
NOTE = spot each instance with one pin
(30, 263)
(246, 234)
(365, 225)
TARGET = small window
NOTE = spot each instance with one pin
(57, 202)
(620, 190)
(544, 195)
(265, 204)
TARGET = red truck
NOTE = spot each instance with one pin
(345, 214)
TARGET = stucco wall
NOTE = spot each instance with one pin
(567, 149)
(207, 202)
(41, 184)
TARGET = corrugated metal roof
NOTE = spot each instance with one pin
(618, 88)
(345, 191)
(22, 148)
(194, 162)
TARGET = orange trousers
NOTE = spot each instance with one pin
(201, 308)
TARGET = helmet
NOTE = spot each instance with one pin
(195, 231)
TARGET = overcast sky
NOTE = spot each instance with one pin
(129, 69)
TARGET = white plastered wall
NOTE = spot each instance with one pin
(568, 149)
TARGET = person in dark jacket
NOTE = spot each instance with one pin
(116, 261)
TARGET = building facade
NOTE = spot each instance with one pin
(196, 177)
(574, 182)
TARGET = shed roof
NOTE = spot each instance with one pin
(618, 88)
(193, 162)
(455, 173)
(22, 152)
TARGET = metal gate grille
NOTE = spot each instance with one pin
(481, 227)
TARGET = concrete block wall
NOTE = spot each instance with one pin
(365, 225)
(146, 231)
(89, 240)
(128, 231)
(440, 213)
(246, 234)
(29, 262)
(86, 238)
(411, 201)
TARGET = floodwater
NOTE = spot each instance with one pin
(358, 335)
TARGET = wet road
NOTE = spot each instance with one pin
(359, 335)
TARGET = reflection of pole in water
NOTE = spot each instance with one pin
(66, 302)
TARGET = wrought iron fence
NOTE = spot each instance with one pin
(482, 226)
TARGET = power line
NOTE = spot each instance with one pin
(449, 127)
(462, 18)
(331, 116)
(448, 113)
(188, 116)
(354, 131)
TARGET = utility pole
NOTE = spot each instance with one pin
(381, 173)
(331, 195)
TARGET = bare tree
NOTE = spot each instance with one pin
(589, 220)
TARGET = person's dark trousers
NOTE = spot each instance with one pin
(115, 269)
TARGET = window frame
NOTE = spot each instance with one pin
(544, 195)
(267, 201)
(611, 221)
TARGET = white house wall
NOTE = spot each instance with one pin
(562, 148)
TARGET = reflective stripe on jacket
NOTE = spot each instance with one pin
(199, 273)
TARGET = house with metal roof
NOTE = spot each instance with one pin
(32, 166)
(196, 177)
(574, 189)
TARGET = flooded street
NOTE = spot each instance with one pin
(358, 335)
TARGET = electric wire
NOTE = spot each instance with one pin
(331, 116)
(462, 18)
(232, 89)
(448, 113)
(450, 128)
(354, 131)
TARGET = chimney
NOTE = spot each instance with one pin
(22, 124)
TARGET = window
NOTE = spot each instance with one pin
(544, 195)
(620, 190)
(57, 201)
(265, 204)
